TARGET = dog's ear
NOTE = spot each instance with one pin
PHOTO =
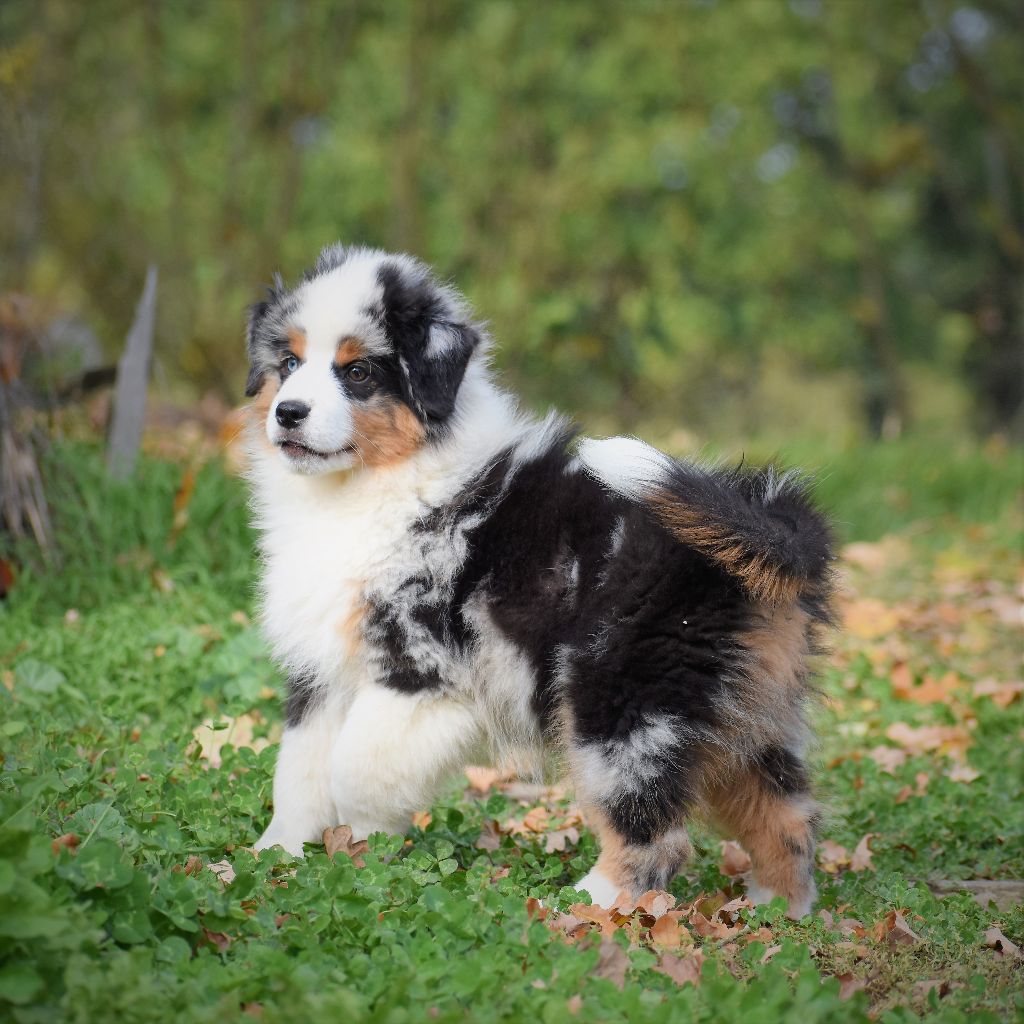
(434, 369)
(253, 383)
(433, 338)
(257, 313)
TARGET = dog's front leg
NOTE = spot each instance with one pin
(393, 754)
(302, 795)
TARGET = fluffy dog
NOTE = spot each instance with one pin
(447, 580)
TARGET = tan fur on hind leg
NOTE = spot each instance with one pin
(778, 831)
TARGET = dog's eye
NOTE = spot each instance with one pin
(291, 363)
(358, 372)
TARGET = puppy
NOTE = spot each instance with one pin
(447, 580)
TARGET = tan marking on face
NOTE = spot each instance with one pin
(348, 351)
(777, 831)
(763, 580)
(297, 342)
(386, 431)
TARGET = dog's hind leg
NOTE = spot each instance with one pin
(766, 803)
(634, 789)
(394, 753)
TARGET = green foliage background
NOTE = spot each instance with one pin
(739, 217)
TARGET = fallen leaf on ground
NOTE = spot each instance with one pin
(962, 773)
(484, 779)
(557, 840)
(876, 555)
(1002, 694)
(832, 857)
(538, 819)
(682, 970)
(996, 940)
(68, 841)
(860, 859)
(213, 735)
(219, 940)
(942, 988)
(888, 758)
(612, 962)
(490, 835)
(894, 930)
(595, 914)
(223, 870)
(867, 618)
(735, 860)
(656, 902)
(930, 690)
(947, 739)
(667, 933)
(848, 985)
(339, 840)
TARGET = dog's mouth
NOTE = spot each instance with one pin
(298, 451)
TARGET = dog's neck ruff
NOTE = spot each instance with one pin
(329, 540)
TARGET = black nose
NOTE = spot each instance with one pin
(291, 412)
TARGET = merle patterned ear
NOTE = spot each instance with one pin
(253, 383)
(256, 315)
(434, 372)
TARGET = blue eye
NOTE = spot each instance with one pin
(291, 364)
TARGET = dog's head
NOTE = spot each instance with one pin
(360, 364)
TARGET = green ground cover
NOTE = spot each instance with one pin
(111, 812)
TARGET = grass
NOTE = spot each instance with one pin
(109, 663)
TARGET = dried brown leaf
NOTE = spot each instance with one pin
(339, 840)
(888, 758)
(612, 962)
(995, 939)
(860, 859)
(482, 779)
(557, 840)
(490, 835)
(68, 841)
(832, 857)
(1002, 694)
(656, 902)
(223, 870)
(962, 773)
(683, 970)
(668, 933)
(848, 985)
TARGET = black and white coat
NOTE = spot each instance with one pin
(447, 580)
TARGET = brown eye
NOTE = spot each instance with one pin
(358, 372)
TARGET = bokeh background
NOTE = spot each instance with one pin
(762, 218)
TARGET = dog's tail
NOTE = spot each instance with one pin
(759, 525)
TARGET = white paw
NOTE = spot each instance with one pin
(761, 895)
(290, 844)
(603, 891)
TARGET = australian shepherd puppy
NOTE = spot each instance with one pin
(447, 580)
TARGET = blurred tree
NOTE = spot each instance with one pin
(654, 203)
